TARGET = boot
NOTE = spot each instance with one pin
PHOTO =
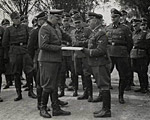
(19, 96)
(43, 111)
(75, 93)
(30, 86)
(121, 93)
(84, 96)
(32, 94)
(105, 111)
(39, 96)
(128, 88)
(58, 111)
(98, 98)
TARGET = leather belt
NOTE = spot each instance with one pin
(116, 44)
(18, 44)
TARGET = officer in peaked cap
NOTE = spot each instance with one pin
(50, 59)
(139, 54)
(119, 46)
(16, 37)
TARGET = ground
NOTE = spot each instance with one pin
(137, 105)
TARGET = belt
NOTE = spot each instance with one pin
(116, 44)
(18, 44)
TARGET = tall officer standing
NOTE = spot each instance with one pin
(130, 78)
(119, 46)
(99, 61)
(33, 49)
(80, 36)
(139, 54)
(15, 39)
(50, 58)
(67, 63)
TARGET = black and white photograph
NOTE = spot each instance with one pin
(75, 59)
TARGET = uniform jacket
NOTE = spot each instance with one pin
(119, 40)
(80, 39)
(49, 44)
(33, 46)
(16, 35)
(97, 48)
(141, 42)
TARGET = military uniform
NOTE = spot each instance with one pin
(119, 46)
(8, 75)
(98, 60)
(67, 63)
(130, 78)
(79, 39)
(50, 58)
(139, 57)
(1, 58)
(15, 39)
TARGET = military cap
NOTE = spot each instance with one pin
(5, 22)
(42, 15)
(115, 12)
(24, 18)
(76, 17)
(92, 15)
(73, 11)
(14, 15)
(123, 12)
(56, 12)
(144, 20)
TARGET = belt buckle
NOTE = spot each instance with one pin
(113, 43)
(21, 44)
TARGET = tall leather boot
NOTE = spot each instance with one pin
(106, 109)
(90, 90)
(84, 96)
(19, 97)
(18, 87)
(75, 85)
(121, 93)
(30, 85)
(43, 111)
(39, 96)
(56, 110)
(98, 98)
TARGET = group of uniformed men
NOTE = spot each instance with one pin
(39, 53)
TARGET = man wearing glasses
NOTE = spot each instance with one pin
(119, 46)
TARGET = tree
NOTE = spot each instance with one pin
(22, 6)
